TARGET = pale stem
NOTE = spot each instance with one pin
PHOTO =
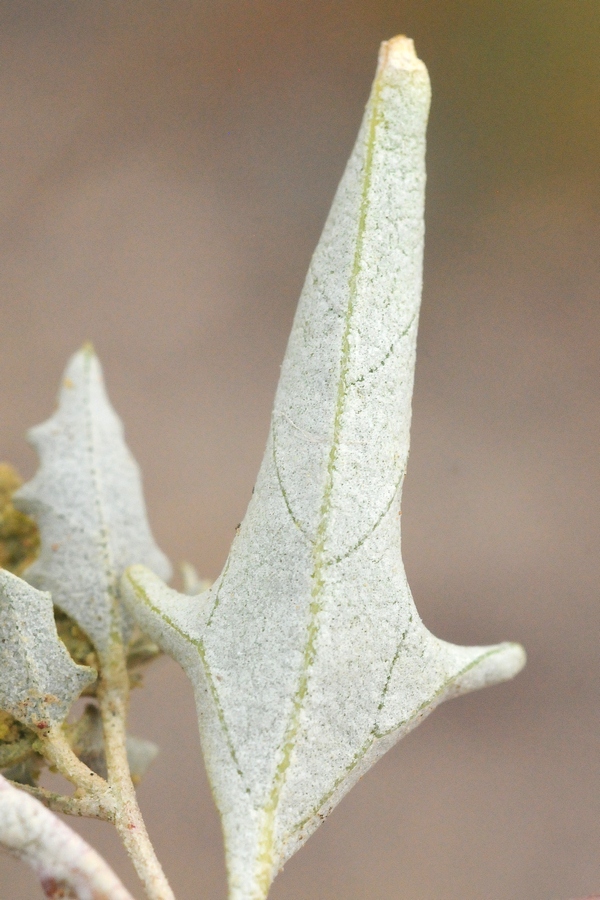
(116, 800)
(57, 750)
(113, 697)
(70, 806)
(65, 864)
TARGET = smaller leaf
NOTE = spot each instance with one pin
(16, 746)
(87, 740)
(81, 650)
(11, 731)
(13, 754)
(87, 500)
(38, 679)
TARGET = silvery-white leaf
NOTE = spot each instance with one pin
(308, 657)
(38, 679)
(87, 500)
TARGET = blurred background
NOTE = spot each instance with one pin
(166, 168)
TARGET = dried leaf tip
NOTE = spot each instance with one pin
(399, 53)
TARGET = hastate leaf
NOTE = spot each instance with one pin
(38, 679)
(308, 657)
(87, 499)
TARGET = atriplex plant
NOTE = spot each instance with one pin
(307, 656)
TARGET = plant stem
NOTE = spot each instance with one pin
(57, 750)
(113, 697)
(71, 806)
(64, 863)
(113, 800)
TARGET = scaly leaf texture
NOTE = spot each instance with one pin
(38, 679)
(87, 500)
(308, 656)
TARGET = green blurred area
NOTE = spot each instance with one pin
(517, 91)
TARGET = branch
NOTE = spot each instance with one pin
(65, 864)
(69, 806)
(55, 747)
(113, 696)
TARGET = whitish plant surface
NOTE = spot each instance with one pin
(307, 656)
(87, 501)
(64, 863)
(39, 680)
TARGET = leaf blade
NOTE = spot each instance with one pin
(308, 656)
(38, 679)
(87, 499)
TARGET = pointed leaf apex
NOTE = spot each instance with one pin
(87, 500)
(500, 663)
(308, 656)
(399, 53)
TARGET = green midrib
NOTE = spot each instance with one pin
(199, 645)
(377, 734)
(264, 860)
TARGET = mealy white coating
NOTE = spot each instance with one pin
(65, 864)
(308, 656)
(38, 679)
(87, 500)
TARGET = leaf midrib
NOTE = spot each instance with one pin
(266, 839)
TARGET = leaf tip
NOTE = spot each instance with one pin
(498, 664)
(399, 53)
(515, 658)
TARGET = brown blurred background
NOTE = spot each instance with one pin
(166, 170)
